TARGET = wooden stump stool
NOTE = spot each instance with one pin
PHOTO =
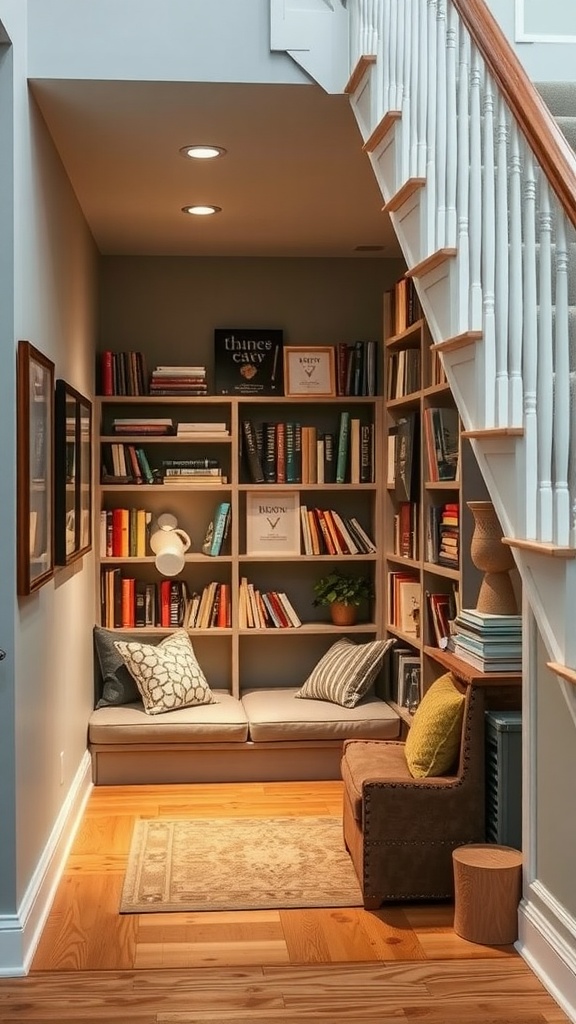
(487, 886)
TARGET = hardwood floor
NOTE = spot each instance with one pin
(400, 964)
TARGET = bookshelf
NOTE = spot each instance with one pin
(239, 655)
(430, 474)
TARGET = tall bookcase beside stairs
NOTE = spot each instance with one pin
(431, 472)
(236, 658)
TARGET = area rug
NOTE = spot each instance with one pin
(238, 864)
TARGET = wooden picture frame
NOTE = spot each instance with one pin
(35, 468)
(273, 523)
(310, 371)
(408, 668)
(72, 474)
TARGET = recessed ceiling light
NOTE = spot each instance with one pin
(202, 152)
(201, 210)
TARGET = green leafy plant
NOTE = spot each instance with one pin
(341, 588)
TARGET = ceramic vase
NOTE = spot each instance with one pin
(494, 559)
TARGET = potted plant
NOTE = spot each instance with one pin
(343, 594)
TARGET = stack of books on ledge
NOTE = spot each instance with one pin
(198, 430)
(189, 472)
(178, 380)
(491, 643)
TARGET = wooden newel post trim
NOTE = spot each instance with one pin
(488, 887)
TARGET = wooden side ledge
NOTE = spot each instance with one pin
(381, 130)
(569, 674)
(458, 341)
(408, 189)
(436, 259)
(360, 70)
(540, 548)
(488, 432)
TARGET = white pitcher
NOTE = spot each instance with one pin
(169, 544)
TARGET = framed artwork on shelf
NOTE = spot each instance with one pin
(309, 371)
(409, 694)
(35, 468)
(72, 474)
(272, 523)
(248, 361)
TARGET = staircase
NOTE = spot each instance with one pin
(479, 181)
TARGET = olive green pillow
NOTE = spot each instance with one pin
(433, 742)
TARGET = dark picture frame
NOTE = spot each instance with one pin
(35, 468)
(73, 474)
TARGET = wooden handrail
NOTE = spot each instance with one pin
(545, 139)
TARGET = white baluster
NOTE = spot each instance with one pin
(385, 42)
(530, 348)
(394, 58)
(545, 386)
(464, 164)
(373, 21)
(405, 127)
(451, 127)
(561, 388)
(441, 126)
(488, 259)
(421, 92)
(475, 190)
(429, 229)
(414, 55)
(515, 271)
(378, 71)
(501, 295)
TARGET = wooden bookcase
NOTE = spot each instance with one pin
(236, 658)
(416, 396)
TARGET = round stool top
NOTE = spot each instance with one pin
(487, 855)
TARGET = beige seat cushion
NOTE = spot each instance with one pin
(223, 722)
(276, 714)
(367, 761)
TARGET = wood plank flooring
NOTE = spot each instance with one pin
(399, 964)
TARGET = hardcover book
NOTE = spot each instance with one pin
(248, 361)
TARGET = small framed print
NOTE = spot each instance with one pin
(73, 474)
(273, 523)
(35, 417)
(309, 371)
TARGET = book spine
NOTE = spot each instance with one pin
(107, 373)
(269, 454)
(281, 453)
(366, 456)
(220, 520)
(329, 460)
(251, 448)
(343, 447)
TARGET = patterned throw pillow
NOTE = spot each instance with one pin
(168, 675)
(346, 672)
(433, 741)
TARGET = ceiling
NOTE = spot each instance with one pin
(294, 181)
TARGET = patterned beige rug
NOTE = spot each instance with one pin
(238, 864)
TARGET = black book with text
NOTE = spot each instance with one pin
(248, 361)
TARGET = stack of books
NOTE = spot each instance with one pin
(189, 472)
(199, 430)
(491, 643)
(178, 380)
(140, 426)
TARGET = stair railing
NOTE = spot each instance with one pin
(498, 198)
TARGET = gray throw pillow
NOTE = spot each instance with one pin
(118, 685)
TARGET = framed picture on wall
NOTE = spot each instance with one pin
(73, 474)
(309, 371)
(35, 468)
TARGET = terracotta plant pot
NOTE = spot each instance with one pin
(343, 614)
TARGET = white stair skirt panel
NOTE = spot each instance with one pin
(407, 225)
(501, 463)
(437, 295)
(385, 160)
(362, 103)
(315, 37)
(551, 589)
(461, 366)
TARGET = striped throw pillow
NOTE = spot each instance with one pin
(346, 672)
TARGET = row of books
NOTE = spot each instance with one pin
(405, 531)
(326, 532)
(265, 609)
(129, 463)
(404, 602)
(125, 532)
(291, 452)
(442, 611)
(441, 443)
(356, 368)
(402, 373)
(491, 643)
(402, 307)
(178, 380)
(123, 373)
(128, 603)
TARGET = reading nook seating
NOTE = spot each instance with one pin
(408, 805)
(159, 721)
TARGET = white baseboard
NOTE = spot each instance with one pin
(20, 933)
(544, 942)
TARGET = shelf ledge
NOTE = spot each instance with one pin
(364, 64)
(435, 259)
(381, 130)
(409, 188)
(569, 674)
(540, 548)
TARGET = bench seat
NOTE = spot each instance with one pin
(275, 714)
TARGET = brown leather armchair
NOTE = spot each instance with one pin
(400, 831)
